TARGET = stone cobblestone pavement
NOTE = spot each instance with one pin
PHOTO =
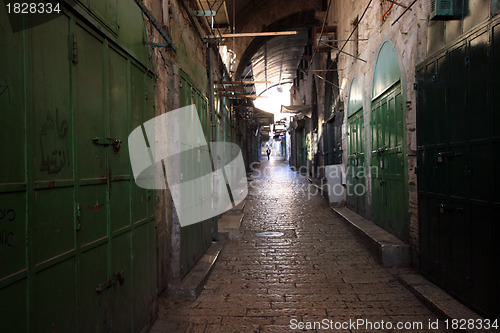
(315, 270)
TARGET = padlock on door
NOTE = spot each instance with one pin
(440, 158)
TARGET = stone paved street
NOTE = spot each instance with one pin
(314, 269)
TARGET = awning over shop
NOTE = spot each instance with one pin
(296, 109)
(262, 117)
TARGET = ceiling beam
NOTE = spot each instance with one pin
(241, 82)
(242, 96)
(230, 89)
(255, 34)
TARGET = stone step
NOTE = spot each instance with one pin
(438, 300)
(389, 250)
(229, 226)
(238, 209)
(192, 285)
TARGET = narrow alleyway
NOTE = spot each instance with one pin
(108, 108)
(312, 269)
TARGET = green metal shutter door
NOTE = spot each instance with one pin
(356, 163)
(13, 197)
(457, 126)
(77, 194)
(387, 163)
(195, 238)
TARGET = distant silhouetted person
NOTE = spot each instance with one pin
(268, 151)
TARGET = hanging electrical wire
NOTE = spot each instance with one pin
(322, 30)
(357, 24)
(352, 32)
(387, 11)
(404, 12)
(327, 81)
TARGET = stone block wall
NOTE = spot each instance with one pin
(408, 35)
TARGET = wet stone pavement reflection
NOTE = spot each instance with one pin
(295, 262)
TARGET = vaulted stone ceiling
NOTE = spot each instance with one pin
(277, 60)
(272, 59)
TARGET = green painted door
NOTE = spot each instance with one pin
(301, 149)
(458, 136)
(195, 238)
(387, 159)
(356, 170)
(389, 205)
(79, 250)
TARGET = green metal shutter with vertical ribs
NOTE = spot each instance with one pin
(458, 137)
(388, 137)
(79, 254)
(195, 238)
(356, 168)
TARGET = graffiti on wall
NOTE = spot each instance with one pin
(53, 134)
(7, 236)
(4, 89)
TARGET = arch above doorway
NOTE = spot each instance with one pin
(388, 166)
(387, 71)
(355, 98)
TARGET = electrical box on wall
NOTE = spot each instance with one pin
(445, 9)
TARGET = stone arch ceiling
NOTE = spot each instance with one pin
(277, 60)
(254, 15)
(271, 15)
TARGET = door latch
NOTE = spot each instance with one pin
(445, 155)
(116, 278)
(381, 150)
(116, 143)
(447, 207)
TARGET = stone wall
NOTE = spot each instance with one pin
(189, 57)
(409, 38)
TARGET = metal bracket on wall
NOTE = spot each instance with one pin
(156, 44)
(155, 23)
(203, 13)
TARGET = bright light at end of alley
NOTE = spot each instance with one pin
(276, 97)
